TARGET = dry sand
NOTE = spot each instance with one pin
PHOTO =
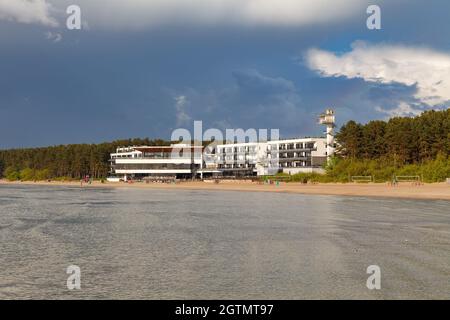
(403, 190)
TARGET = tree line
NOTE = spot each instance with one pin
(400, 140)
(417, 144)
(402, 146)
(72, 161)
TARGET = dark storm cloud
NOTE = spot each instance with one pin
(96, 85)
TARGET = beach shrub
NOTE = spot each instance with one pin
(382, 170)
(12, 174)
(27, 174)
(43, 174)
(436, 170)
(2, 167)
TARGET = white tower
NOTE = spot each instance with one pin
(328, 120)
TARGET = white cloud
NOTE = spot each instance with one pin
(180, 107)
(402, 110)
(27, 11)
(53, 36)
(138, 14)
(148, 13)
(426, 69)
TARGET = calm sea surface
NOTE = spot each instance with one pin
(171, 244)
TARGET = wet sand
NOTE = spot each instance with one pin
(403, 190)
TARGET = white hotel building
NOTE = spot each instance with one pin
(139, 162)
(267, 158)
(234, 159)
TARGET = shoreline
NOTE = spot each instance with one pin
(431, 191)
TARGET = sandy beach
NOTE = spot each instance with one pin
(403, 190)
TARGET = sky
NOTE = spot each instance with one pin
(143, 68)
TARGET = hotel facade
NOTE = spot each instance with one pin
(137, 162)
(271, 157)
(247, 159)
